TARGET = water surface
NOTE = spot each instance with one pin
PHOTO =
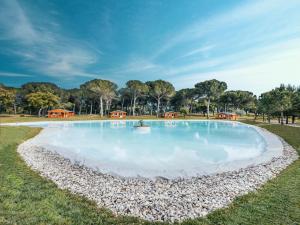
(170, 149)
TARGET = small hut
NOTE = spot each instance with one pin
(118, 114)
(171, 115)
(226, 116)
(60, 113)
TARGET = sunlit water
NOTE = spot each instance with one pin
(169, 149)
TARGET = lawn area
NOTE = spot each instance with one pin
(18, 118)
(27, 198)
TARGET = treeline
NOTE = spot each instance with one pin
(149, 98)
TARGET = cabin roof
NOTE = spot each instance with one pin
(118, 111)
(227, 113)
(59, 110)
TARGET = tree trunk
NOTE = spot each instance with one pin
(281, 115)
(133, 107)
(287, 120)
(269, 119)
(91, 109)
(293, 119)
(15, 108)
(106, 107)
(39, 113)
(74, 108)
(207, 113)
(263, 117)
(122, 106)
(101, 106)
(278, 119)
(158, 105)
(80, 108)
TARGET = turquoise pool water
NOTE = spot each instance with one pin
(169, 149)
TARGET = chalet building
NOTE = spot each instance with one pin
(227, 116)
(118, 114)
(60, 113)
(171, 115)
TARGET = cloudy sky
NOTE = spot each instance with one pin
(252, 45)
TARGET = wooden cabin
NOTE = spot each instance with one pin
(60, 113)
(171, 115)
(227, 116)
(118, 114)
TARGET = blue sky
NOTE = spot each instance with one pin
(252, 45)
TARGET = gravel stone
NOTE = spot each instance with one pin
(158, 199)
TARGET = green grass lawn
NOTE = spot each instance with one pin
(27, 198)
(18, 118)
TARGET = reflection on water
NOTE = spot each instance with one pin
(116, 146)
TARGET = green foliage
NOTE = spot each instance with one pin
(243, 100)
(7, 98)
(42, 100)
(210, 90)
(184, 111)
(295, 109)
(40, 87)
(145, 98)
(104, 90)
(279, 101)
(159, 90)
(135, 89)
(184, 98)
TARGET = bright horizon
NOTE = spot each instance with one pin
(251, 45)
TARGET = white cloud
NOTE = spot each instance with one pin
(243, 13)
(42, 47)
(15, 24)
(8, 74)
(198, 50)
(258, 74)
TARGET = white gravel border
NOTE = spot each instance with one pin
(160, 199)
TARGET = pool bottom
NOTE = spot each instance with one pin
(274, 148)
(157, 199)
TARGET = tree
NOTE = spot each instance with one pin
(282, 99)
(295, 110)
(228, 100)
(104, 89)
(136, 89)
(210, 90)
(184, 98)
(124, 97)
(42, 100)
(7, 98)
(277, 100)
(184, 111)
(244, 100)
(266, 105)
(42, 87)
(160, 89)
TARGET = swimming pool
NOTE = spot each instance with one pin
(169, 149)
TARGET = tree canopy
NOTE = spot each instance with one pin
(137, 97)
(210, 90)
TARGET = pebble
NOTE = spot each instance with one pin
(160, 199)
